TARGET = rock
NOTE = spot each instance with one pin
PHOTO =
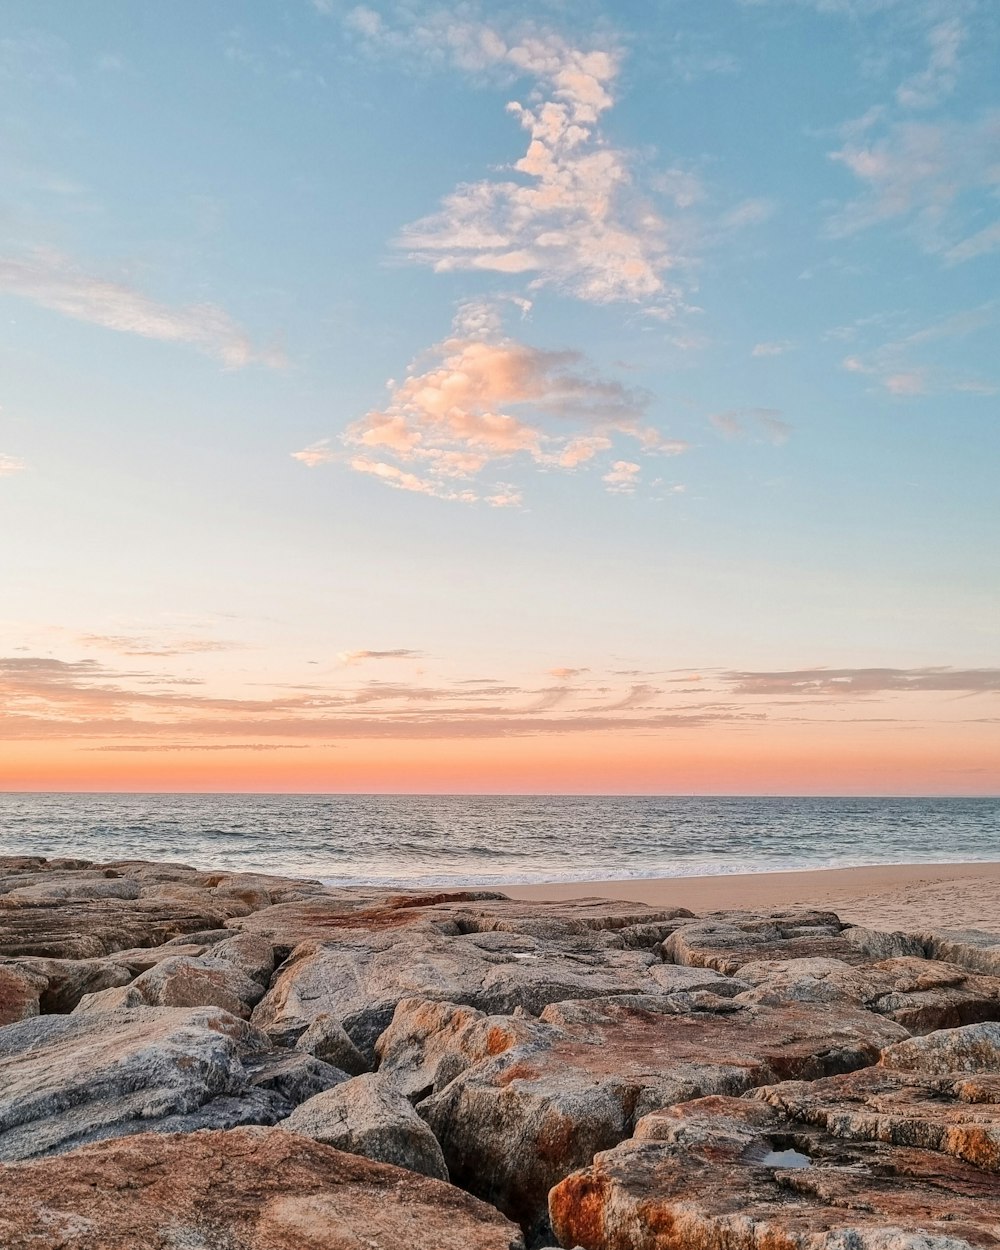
(20, 992)
(361, 978)
(292, 1074)
(733, 939)
(429, 1043)
(256, 1189)
(367, 1116)
(974, 1048)
(921, 994)
(111, 1000)
(68, 980)
(676, 979)
(203, 982)
(969, 948)
(327, 1039)
(900, 1108)
(878, 944)
(723, 1174)
(576, 1081)
(67, 1080)
(251, 954)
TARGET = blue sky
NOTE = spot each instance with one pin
(377, 350)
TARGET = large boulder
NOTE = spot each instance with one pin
(204, 981)
(369, 1116)
(554, 1091)
(68, 1080)
(257, 1189)
(360, 979)
(727, 1174)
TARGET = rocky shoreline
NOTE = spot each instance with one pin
(194, 1060)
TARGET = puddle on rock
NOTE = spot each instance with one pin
(786, 1159)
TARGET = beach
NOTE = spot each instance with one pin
(913, 897)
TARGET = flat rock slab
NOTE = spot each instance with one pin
(69, 1080)
(728, 1174)
(922, 994)
(258, 1189)
(899, 1108)
(557, 1090)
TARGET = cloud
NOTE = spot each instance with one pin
(893, 366)
(570, 214)
(53, 281)
(396, 653)
(623, 477)
(138, 646)
(567, 674)
(937, 80)
(978, 244)
(82, 700)
(921, 173)
(481, 399)
(777, 348)
(9, 465)
(739, 422)
(859, 682)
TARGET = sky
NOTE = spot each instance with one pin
(500, 398)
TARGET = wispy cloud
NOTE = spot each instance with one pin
(396, 653)
(481, 399)
(9, 465)
(907, 366)
(746, 422)
(774, 348)
(859, 682)
(937, 79)
(44, 698)
(919, 174)
(53, 281)
(139, 645)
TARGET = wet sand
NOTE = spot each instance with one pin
(912, 897)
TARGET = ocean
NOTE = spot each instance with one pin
(443, 840)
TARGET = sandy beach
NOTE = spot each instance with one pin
(899, 896)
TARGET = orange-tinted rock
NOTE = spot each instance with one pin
(899, 1108)
(723, 1174)
(20, 992)
(511, 1126)
(258, 1189)
(733, 939)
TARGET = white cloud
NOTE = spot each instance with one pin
(776, 348)
(479, 400)
(9, 465)
(623, 477)
(53, 281)
(978, 244)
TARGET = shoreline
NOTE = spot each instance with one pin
(916, 897)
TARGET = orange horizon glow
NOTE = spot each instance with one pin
(845, 764)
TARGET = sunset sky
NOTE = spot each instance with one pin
(555, 397)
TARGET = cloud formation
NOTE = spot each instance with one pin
(9, 465)
(53, 281)
(570, 215)
(480, 400)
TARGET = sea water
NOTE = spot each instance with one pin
(417, 840)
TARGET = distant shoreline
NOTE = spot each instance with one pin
(914, 897)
